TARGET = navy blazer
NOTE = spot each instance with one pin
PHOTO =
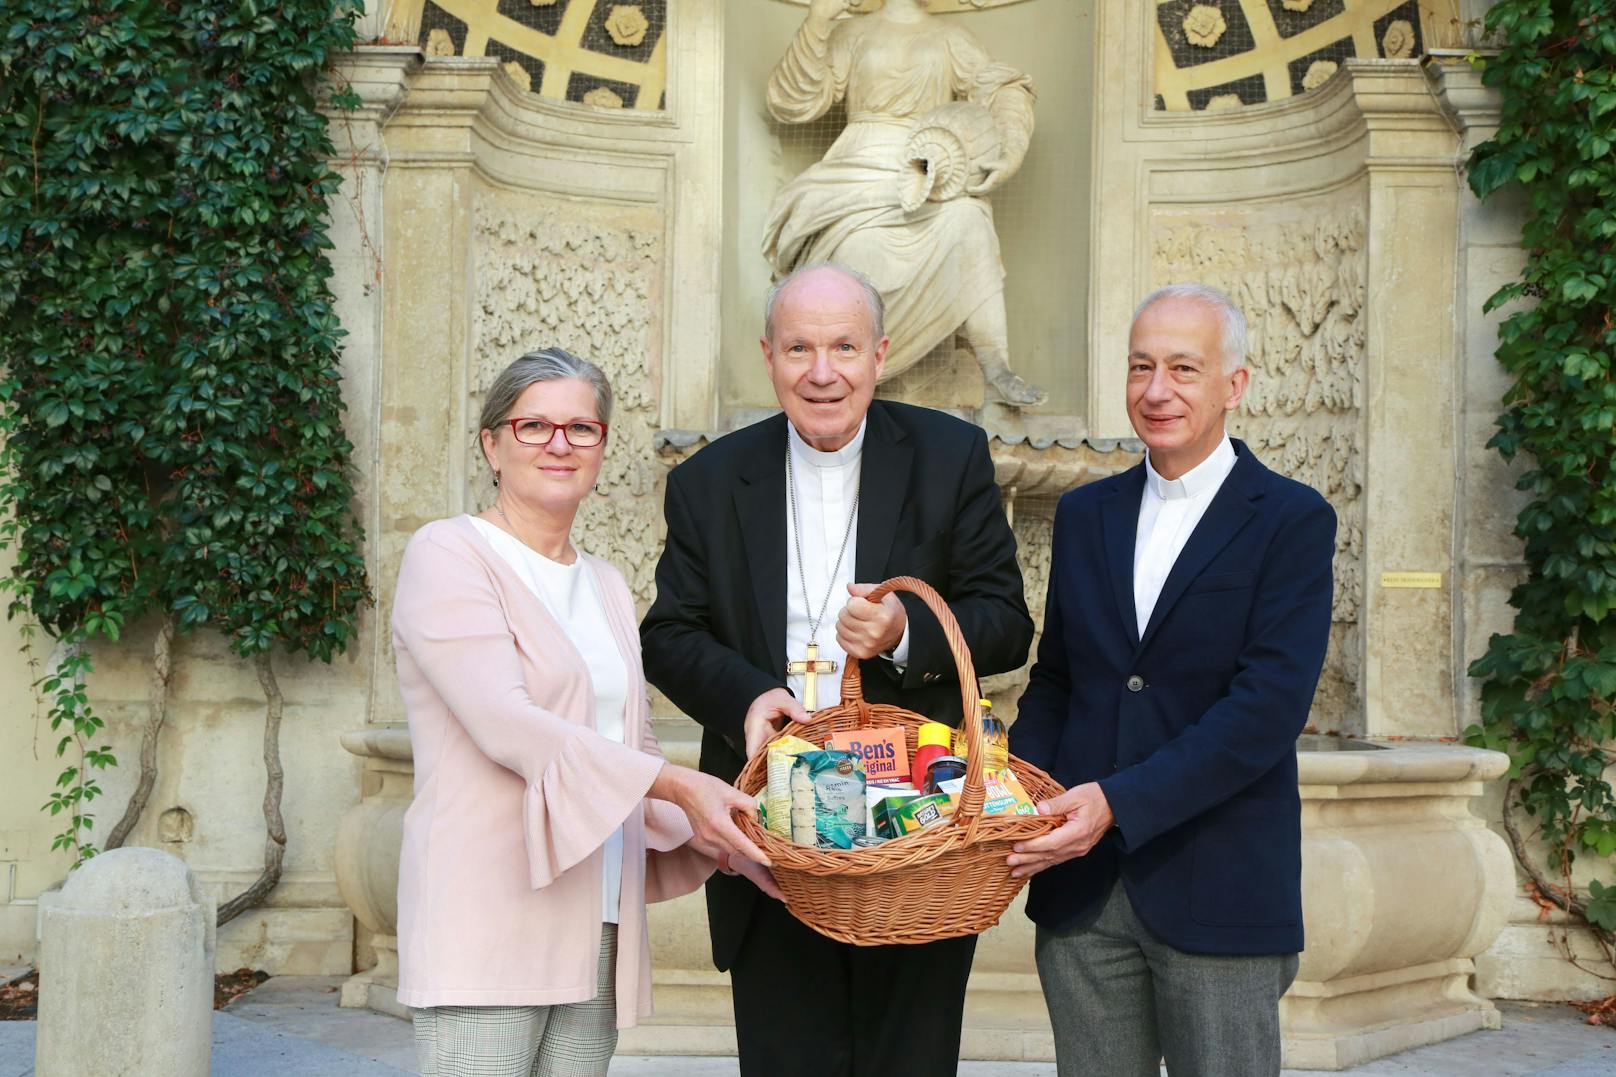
(1191, 730)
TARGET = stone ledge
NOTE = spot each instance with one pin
(1339, 1052)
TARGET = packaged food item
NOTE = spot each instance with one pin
(1024, 803)
(783, 751)
(931, 741)
(827, 799)
(892, 801)
(884, 751)
(943, 768)
(995, 740)
(1002, 794)
(868, 841)
(875, 794)
(917, 814)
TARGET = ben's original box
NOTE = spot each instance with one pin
(884, 752)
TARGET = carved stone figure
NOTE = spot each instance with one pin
(933, 125)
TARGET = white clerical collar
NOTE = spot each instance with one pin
(807, 454)
(1202, 479)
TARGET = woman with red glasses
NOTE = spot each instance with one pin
(544, 815)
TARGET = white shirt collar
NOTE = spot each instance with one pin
(807, 454)
(1202, 479)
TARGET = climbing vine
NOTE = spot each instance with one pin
(169, 382)
(1549, 697)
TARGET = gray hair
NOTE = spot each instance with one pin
(1232, 338)
(872, 296)
(546, 364)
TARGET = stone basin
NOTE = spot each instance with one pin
(1402, 886)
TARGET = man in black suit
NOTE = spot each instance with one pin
(738, 639)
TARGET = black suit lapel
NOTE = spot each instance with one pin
(1119, 515)
(760, 506)
(883, 480)
(1231, 508)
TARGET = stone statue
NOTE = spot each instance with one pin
(933, 125)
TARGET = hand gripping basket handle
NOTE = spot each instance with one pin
(970, 805)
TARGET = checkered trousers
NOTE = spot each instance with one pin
(572, 1040)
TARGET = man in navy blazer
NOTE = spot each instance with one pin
(1186, 625)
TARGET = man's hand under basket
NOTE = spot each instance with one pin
(1088, 817)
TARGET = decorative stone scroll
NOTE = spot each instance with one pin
(587, 279)
(1300, 281)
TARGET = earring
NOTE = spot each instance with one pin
(496, 480)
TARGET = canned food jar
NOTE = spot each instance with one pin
(941, 770)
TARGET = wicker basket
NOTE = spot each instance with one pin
(940, 883)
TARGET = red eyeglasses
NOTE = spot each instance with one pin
(579, 433)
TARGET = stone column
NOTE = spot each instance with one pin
(126, 963)
(366, 864)
(379, 75)
(1411, 403)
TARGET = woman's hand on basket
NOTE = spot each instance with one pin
(710, 805)
(767, 714)
(751, 869)
(1088, 817)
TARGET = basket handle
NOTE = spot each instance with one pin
(970, 806)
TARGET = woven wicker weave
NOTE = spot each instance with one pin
(940, 883)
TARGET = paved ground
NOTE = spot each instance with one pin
(291, 1026)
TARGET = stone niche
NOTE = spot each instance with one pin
(1041, 214)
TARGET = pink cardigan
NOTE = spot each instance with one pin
(499, 885)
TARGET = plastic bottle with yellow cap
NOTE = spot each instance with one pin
(995, 740)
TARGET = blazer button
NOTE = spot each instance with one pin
(931, 678)
(1136, 683)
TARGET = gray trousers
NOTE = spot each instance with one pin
(1121, 1001)
(572, 1040)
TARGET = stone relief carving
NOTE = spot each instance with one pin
(603, 97)
(1399, 42)
(627, 24)
(1204, 25)
(1033, 521)
(519, 73)
(1301, 284)
(589, 281)
(1218, 54)
(1318, 73)
(935, 124)
(936, 7)
(439, 43)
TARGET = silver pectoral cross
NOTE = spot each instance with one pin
(811, 667)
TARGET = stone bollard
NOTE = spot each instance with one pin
(126, 971)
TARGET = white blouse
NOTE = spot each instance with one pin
(568, 593)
